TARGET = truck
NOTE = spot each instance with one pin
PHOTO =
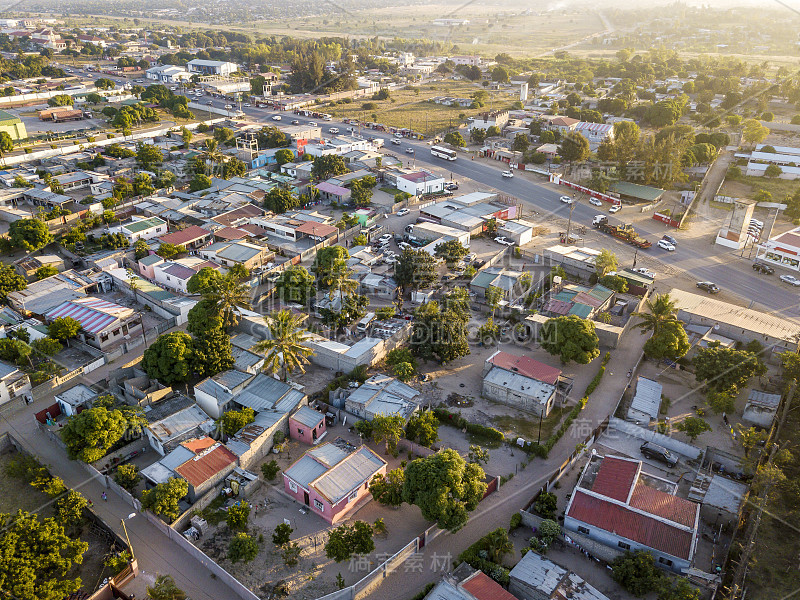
(624, 232)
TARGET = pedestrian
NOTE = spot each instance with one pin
(725, 418)
(104, 497)
(90, 503)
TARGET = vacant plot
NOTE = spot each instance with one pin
(411, 108)
(526, 425)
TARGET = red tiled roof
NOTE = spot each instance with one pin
(190, 234)
(243, 212)
(484, 587)
(317, 229)
(200, 469)
(253, 229)
(631, 525)
(527, 366)
(231, 233)
(564, 121)
(615, 478)
(664, 505)
(559, 307)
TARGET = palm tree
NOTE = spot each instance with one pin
(284, 350)
(211, 154)
(340, 279)
(660, 310)
(499, 545)
(165, 588)
(228, 294)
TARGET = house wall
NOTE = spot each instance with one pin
(134, 327)
(170, 281)
(502, 394)
(306, 436)
(146, 234)
(208, 403)
(4, 395)
(262, 445)
(611, 540)
(206, 486)
(737, 333)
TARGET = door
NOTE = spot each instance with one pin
(305, 498)
(314, 434)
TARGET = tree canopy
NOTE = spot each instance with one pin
(296, 285)
(29, 234)
(163, 499)
(415, 269)
(570, 338)
(91, 433)
(168, 359)
(726, 368)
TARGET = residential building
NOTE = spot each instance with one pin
(560, 123)
(174, 420)
(783, 250)
(42, 296)
(75, 399)
(148, 264)
(619, 506)
(141, 229)
(13, 384)
(465, 583)
(168, 74)
(103, 323)
(495, 118)
(307, 425)
(175, 274)
(595, 133)
(506, 280)
(246, 254)
(522, 382)
(385, 396)
(776, 334)
(214, 394)
(580, 300)
(330, 192)
(28, 265)
(761, 408)
(471, 60)
(191, 238)
(646, 401)
(535, 577)
(211, 67)
(419, 183)
(332, 478)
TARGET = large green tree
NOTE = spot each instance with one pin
(671, 342)
(10, 281)
(37, 558)
(346, 540)
(211, 352)
(571, 339)
(415, 269)
(726, 368)
(29, 234)
(605, 262)
(203, 316)
(423, 427)
(659, 312)
(165, 588)
(388, 489)
(163, 499)
(636, 572)
(285, 350)
(439, 334)
(450, 251)
(295, 285)
(574, 147)
(229, 294)
(328, 166)
(169, 358)
(91, 433)
(445, 487)
(204, 281)
(233, 420)
(388, 429)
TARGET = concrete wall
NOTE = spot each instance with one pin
(506, 396)
(307, 436)
(262, 445)
(208, 485)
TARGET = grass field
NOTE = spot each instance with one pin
(411, 107)
(528, 428)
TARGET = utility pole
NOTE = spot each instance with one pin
(569, 223)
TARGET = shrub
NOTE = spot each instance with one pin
(545, 505)
(455, 420)
(516, 521)
(270, 470)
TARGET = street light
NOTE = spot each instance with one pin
(125, 529)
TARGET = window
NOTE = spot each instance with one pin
(583, 530)
(352, 496)
(300, 431)
(103, 337)
(115, 333)
(292, 486)
(665, 561)
(124, 330)
(624, 546)
(319, 506)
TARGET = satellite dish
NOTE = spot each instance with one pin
(557, 279)
(716, 326)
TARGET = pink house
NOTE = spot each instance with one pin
(332, 478)
(307, 425)
(147, 264)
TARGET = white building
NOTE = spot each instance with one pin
(496, 118)
(211, 67)
(782, 250)
(141, 229)
(13, 383)
(176, 274)
(168, 74)
(420, 182)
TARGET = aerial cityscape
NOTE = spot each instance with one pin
(399, 301)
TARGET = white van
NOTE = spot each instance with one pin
(363, 324)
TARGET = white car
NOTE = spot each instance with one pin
(790, 279)
(595, 202)
(666, 245)
(504, 241)
(247, 104)
(645, 272)
(566, 199)
(398, 136)
(508, 174)
(409, 151)
(396, 142)
(228, 107)
(404, 245)
(386, 237)
(333, 130)
(403, 212)
(210, 103)
(614, 209)
(310, 123)
(295, 122)
(276, 118)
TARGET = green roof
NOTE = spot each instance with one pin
(142, 224)
(7, 118)
(150, 259)
(580, 310)
(152, 290)
(634, 190)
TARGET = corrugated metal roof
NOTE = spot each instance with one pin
(328, 454)
(201, 468)
(557, 307)
(763, 399)
(580, 310)
(179, 423)
(631, 525)
(648, 397)
(143, 224)
(6, 369)
(525, 365)
(305, 470)
(538, 390)
(483, 587)
(93, 314)
(307, 416)
(176, 458)
(535, 571)
(76, 395)
(615, 477)
(190, 234)
(349, 474)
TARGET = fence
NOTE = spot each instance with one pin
(667, 219)
(48, 386)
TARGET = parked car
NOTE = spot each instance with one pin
(409, 151)
(508, 174)
(614, 209)
(644, 271)
(566, 199)
(295, 122)
(247, 104)
(451, 187)
(404, 245)
(595, 202)
(276, 117)
(403, 212)
(386, 237)
(708, 286)
(210, 103)
(762, 268)
(396, 142)
(470, 257)
(479, 263)
(504, 241)
(790, 279)
(312, 124)
(656, 452)
(670, 239)
(666, 245)
(333, 130)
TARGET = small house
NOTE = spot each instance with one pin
(646, 402)
(307, 425)
(75, 399)
(761, 408)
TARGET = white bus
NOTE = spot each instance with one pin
(444, 153)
